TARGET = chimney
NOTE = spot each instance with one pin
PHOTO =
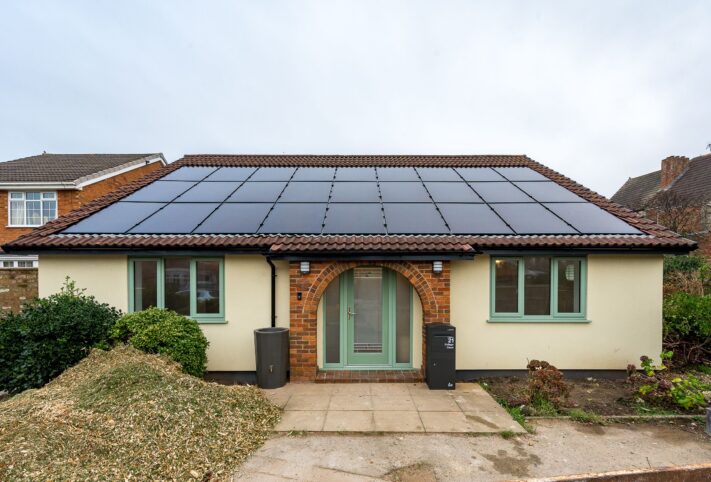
(672, 167)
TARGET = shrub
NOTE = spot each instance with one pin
(166, 332)
(49, 335)
(688, 274)
(546, 386)
(687, 327)
(658, 388)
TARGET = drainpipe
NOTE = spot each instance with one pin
(274, 275)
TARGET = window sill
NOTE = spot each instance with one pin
(210, 321)
(24, 225)
(543, 320)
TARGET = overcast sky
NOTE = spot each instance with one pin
(597, 90)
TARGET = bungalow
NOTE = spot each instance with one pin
(356, 254)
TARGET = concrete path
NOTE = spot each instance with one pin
(389, 407)
(558, 447)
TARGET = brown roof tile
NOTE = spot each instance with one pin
(654, 236)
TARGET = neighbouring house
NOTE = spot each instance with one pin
(357, 254)
(677, 196)
(38, 189)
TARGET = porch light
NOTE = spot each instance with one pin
(436, 267)
(305, 267)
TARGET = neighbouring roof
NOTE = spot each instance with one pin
(369, 204)
(67, 168)
(693, 183)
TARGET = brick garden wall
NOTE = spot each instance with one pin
(17, 285)
(433, 290)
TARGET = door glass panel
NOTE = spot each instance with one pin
(537, 285)
(368, 315)
(568, 286)
(208, 286)
(332, 318)
(403, 295)
(145, 284)
(177, 285)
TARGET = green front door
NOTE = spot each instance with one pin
(367, 320)
(367, 316)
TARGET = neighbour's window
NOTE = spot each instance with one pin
(32, 208)
(189, 286)
(18, 264)
(538, 288)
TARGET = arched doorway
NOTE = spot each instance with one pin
(368, 320)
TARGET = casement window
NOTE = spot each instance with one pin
(192, 287)
(538, 288)
(19, 264)
(32, 208)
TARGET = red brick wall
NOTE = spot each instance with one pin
(433, 290)
(69, 200)
(17, 286)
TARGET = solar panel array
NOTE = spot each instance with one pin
(352, 200)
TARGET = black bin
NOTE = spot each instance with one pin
(271, 349)
(441, 344)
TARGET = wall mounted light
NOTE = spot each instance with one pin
(436, 267)
(305, 267)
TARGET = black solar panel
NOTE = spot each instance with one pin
(589, 218)
(413, 218)
(345, 200)
(235, 218)
(354, 218)
(500, 192)
(407, 192)
(531, 218)
(291, 218)
(161, 191)
(215, 192)
(115, 219)
(189, 174)
(473, 219)
(175, 218)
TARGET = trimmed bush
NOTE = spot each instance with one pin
(687, 327)
(166, 332)
(50, 335)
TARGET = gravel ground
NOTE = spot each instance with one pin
(558, 447)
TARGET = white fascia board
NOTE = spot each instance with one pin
(145, 161)
(15, 257)
(37, 186)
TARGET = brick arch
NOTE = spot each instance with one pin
(306, 292)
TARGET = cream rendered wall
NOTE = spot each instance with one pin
(624, 307)
(105, 276)
(247, 299)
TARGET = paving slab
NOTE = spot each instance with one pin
(389, 407)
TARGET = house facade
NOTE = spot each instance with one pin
(38, 189)
(357, 254)
(678, 196)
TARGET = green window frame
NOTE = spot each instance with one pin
(160, 288)
(554, 315)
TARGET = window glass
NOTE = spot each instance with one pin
(8, 264)
(208, 287)
(332, 315)
(537, 285)
(402, 319)
(17, 212)
(569, 285)
(506, 283)
(145, 284)
(33, 212)
(25, 264)
(177, 285)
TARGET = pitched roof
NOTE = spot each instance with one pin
(640, 233)
(693, 183)
(65, 168)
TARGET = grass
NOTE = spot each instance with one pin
(705, 369)
(517, 415)
(124, 414)
(582, 416)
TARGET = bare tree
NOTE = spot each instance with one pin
(682, 214)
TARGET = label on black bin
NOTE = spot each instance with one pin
(449, 343)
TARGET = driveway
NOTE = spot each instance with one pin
(389, 407)
(558, 447)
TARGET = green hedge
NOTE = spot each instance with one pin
(161, 331)
(49, 335)
(687, 327)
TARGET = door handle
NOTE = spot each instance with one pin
(351, 313)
